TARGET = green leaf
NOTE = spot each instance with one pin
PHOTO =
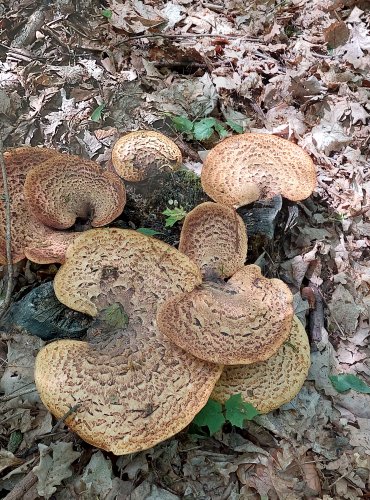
(203, 129)
(173, 215)
(221, 130)
(237, 410)
(235, 126)
(96, 114)
(115, 316)
(346, 381)
(147, 231)
(210, 416)
(107, 13)
(182, 123)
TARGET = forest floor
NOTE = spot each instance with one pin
(75, 76)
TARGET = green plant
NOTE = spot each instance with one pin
(107, 13)
(343, 382)
(174, 214)
(214, 415)
(97, 113)
(203, 129)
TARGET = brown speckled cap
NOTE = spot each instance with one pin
(139, 388)
(274, 382)
(142, 154)
(243, 321)
(214, 237)
(66, 187)
(247, 167)
(24, 226)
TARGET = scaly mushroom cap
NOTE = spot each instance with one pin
(215, 238)
(243, 321)
(66, 187)
(138, 388)
(274, 382)
(24, 226)
(247, 167)
(144, 153)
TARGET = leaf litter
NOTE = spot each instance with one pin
(75, 80)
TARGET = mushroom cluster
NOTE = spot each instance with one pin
(48, 191)
(199, 322)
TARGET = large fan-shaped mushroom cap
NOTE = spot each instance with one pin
(139, 388)
(215, 238)
(26, 230)
(274, 382)
(240, 322)
(247, 167)
(144, 153)
(66, 187)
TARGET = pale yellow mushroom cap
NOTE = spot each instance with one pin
(136, 388)
(244, 168)
(145, 153)
(274, 382)
(214, 237)
(242, 321)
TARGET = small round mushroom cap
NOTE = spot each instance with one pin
(247, 167)
(274, 382)
(243, 321)
(24, 226)
(215, 238)
(145, 153)
(66, 187)
(137, 388)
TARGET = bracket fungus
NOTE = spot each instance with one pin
(67, 187)
(243, 321)
(215, 238)
(248, 167)
(274, 382)
(145, 153)
(28, 233)
(39, 207)
(137, 388)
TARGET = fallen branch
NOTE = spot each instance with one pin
(8, 235)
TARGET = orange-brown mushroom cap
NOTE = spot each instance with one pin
(139, 388)
(145, 153)
(247, 167)
(215, 238)
(243, 321)
(66, 187)
(274, 382)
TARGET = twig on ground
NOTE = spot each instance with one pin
(8, 235)
(11, 396)
(192, 35)
(19, 491)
